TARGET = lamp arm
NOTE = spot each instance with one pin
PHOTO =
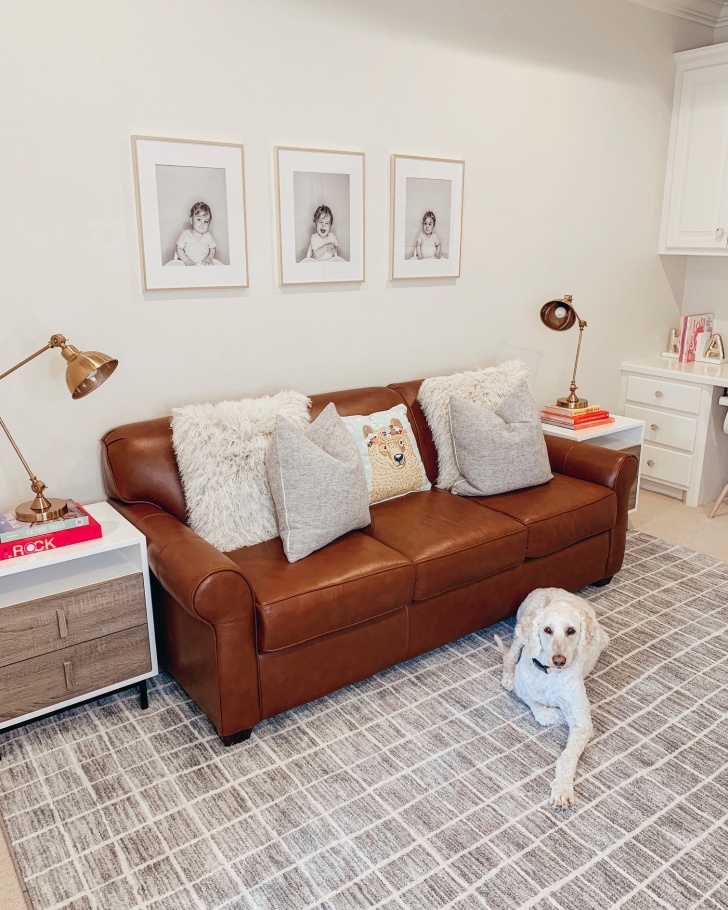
(57, 341)
(32, 476)
(582, 326)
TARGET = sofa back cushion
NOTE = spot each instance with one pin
(139, 465)
(428, 452)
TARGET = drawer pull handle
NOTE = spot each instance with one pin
(62, 624)
(68, 670)
(651, 463)
(719, 234)
(658, 394)
(653, 426)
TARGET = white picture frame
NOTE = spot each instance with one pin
(422, 189)
(173, 177)
(319, 194)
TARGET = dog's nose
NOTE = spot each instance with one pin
(399, 458)
(558, 660)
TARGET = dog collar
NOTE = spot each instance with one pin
(541, 666)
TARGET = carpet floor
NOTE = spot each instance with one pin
(424, 787)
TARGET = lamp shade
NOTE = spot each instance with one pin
(558, 315)
(86, 370)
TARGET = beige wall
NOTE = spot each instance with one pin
(560, 110)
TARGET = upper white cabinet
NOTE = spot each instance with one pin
(695, 211)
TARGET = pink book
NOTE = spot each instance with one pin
(691, 336)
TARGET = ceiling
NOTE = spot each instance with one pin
(706, 12)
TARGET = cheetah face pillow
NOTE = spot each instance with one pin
(389, 452)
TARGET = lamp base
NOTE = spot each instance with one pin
(572, 402)
(29, 511)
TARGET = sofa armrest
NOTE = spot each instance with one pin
(204, 581)
(607, 467)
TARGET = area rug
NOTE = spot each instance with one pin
(424, 787)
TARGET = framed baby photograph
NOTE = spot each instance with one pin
(427, 217)
(320, 203)
(191, 211)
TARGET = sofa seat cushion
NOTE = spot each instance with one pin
(353, 579)
(561, 512)
(451, 541)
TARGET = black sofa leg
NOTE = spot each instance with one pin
(602, 581)
(236, 738)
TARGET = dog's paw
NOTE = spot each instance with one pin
(562, 796)
(508, 681)
(547, 717)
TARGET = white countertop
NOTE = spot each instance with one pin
(703, 373)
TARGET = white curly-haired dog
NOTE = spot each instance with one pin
(556, 643)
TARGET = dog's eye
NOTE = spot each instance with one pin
(571, 631)
(548, 630)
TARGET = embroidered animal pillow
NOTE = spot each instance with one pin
(387, 445)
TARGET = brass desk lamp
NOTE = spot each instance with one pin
(85, 371)
(560, 315)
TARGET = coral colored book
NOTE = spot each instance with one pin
(52, 541)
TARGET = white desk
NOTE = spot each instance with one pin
(626, 434)
(685, 454)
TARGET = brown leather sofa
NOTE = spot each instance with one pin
(249, 635)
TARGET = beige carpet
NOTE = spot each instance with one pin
(670, 520)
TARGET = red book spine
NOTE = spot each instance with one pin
(577, 418)
(593, 423)
(51, 541)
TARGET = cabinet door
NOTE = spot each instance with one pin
(696, 202)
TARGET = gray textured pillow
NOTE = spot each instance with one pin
(316, 477)
(501, 450)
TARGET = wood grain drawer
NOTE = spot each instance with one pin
(661, 394)
(667, 429)
(51, 623)
(666, 465)
(50, 679)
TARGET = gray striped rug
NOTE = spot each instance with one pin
(424, 787)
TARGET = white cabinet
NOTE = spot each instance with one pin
(75, 622)
(685, 453)
(695, 211)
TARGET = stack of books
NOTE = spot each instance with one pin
(575, 418)
(20, 538)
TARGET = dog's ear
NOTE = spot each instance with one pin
(589, 628)
(527, 630)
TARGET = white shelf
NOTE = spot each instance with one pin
(46, 581)
(702, 373)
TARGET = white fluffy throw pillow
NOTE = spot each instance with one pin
(220, 451)
(487, 387)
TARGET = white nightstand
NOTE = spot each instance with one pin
(626, 434)
(76, 622)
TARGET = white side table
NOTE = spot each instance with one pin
(75, 623)
(626, 434)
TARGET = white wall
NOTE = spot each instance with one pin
(560, 110)
(706, 290)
